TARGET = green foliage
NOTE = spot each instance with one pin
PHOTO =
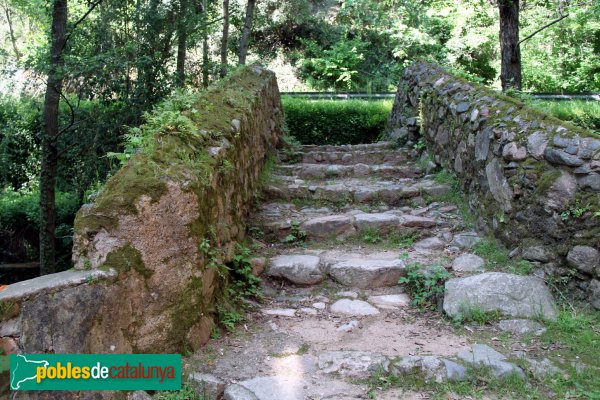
(424, 286)
(585, 114)
(243, 283)
(20, 222)
(472, 314)
(238, 283)
(496, 258)
(187, 392)
(402, 241)
(336, 122)
(370, 235)
(296, 235)
(494, 254)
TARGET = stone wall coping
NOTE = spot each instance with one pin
(53, 282)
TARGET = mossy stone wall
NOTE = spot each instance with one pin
(145, 226)
(532, 180)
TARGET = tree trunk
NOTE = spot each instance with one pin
(225, 39)
(49, 139)
(13, 39)
(205, 56)
(510, 73)
(246, 31)
(181, 42)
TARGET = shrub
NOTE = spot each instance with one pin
(20, 222)
(336, 121)
(424, 286)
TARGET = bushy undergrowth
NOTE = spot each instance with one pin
(20, 222)
(336, 121)
(585, 114)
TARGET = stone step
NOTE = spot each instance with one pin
(398, 192)
(349, 147)
(277, 220)
(357, 272)
(351, 157)
(323, 171)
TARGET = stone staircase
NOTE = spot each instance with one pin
(337, 231)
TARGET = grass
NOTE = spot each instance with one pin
(585, 114)
(497, 259)
(334, 121)
(479, 383)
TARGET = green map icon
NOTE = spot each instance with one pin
(23, 369)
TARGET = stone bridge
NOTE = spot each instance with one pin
(145, 250)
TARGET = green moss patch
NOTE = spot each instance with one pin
(125, 259)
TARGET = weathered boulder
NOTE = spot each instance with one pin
(484, 356)
(299, 269)
(513, 295)
(431, 368)
(352, 364)
(586, 259)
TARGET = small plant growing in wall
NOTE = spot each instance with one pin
(297, 235)
(424, 286)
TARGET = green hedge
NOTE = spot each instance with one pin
(585, 114)
(336, 121)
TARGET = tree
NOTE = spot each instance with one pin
(246, 31)
(58, 38)
(205, 54)
(181, 42)
(510, 69)
(225, 39)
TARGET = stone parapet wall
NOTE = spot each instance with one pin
(145, 250)
(531, 179)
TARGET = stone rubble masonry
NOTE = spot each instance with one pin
(141, 284)
(532, 180)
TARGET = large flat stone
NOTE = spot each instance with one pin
(365, 273)
(353, 308)
(352, 364)
(382, 222)
(299, 269)
(414, 221)
(390, 300)
(513, 295)
(330, 226)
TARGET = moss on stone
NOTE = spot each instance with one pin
(93, 223)
(126, 258)
(546, 180)
(122, 192)
(188, 311)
